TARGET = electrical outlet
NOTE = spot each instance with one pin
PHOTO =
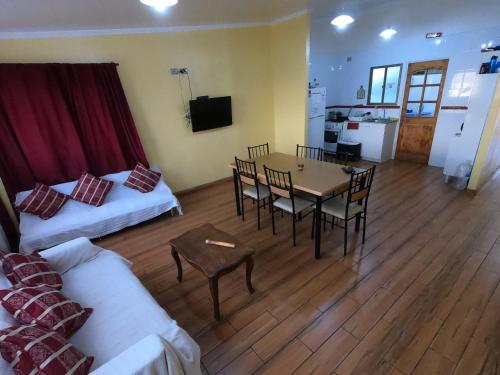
(174, 71)
(183, 71)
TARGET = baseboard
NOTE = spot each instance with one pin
(203, 187)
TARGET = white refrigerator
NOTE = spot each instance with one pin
(465, 142)
(316, 117)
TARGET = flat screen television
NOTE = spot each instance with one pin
(211, 113)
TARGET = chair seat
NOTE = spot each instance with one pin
(286, 204)
(251, 192)
(336, 207)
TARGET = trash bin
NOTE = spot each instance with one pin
(462, 176)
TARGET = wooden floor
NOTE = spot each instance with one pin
(422, 296)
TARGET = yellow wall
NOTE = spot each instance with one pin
(488, 156)
(289, 55)
(5, 200)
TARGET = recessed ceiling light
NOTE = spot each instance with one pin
(159, 5)
(342, 21)
(388, 33)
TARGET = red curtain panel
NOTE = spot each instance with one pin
(60, 120)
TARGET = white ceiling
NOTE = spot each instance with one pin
(50, 15)
(70, 15)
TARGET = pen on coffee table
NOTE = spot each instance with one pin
(219, 243)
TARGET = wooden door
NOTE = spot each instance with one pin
(424, 89)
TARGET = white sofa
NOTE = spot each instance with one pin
(128, 332)
(122, 208)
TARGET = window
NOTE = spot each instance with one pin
(384, 84)
(424, 92)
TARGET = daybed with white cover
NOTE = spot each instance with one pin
(128, 332)
(122, 208)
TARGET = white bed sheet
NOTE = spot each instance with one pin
(122, 208)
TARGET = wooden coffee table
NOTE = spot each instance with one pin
(213, 261)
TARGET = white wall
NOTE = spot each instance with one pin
(465, 24)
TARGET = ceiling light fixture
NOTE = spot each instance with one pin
(159, 5)
(388, 33)
(342, 21)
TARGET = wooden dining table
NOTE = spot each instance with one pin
(319, 179)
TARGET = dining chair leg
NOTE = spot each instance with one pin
(258, 214)
(364, 227)
(345, 237)
(358, 222)
(324, 222)
(294, 219)
(281, 213)
(242, 208)
(333, 221)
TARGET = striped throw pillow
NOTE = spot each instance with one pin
(142, 179)
(33, 350)
(91, 190)
(46, 307)
(30, 270)
(43, 202)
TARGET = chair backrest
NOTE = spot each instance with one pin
(306, 152)
(360, 186)
(342, 158)
(258, 151)
(279, 183)
(247, 173)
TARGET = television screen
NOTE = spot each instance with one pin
(211, 113)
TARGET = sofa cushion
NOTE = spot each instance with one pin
(43, 202)
(143, 179)
(46, 307)
(91, 190)
(30, 270)
(33, 350)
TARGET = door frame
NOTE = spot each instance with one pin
(427, 64)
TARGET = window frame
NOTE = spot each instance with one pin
(386, 67)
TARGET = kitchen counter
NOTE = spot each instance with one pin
(376, 138)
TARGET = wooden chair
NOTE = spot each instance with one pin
(250, 188)
(356, 204)
(306, 152)
(258, 151)
(282, 196)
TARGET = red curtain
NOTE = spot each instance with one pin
(60, 120)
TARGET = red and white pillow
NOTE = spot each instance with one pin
(30, 270)
(43, 202)
(91, 190)
(34, 350)
(46, 307)
(142, 179)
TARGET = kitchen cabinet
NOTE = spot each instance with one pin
(377, 139)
